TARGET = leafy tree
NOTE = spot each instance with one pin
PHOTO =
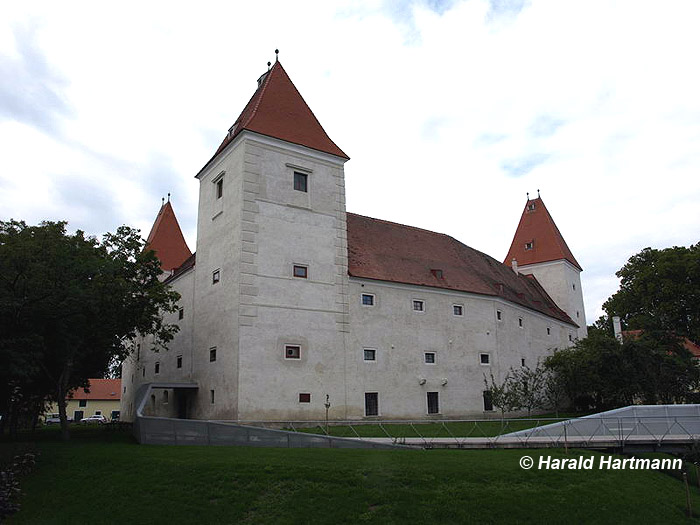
(660, 290)
(68, 304)
(529, 386)
(504, 394)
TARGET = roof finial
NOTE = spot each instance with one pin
(168, 196)
(528, 195)
(162, 201)
(268, 65)
(538, 193)
(277, 52)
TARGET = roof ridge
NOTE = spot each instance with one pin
(402, 225)
(261, 89)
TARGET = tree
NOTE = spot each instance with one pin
(504, 395)
(68, 305)
(660, 290)
(529, 386)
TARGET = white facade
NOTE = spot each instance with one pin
(264, 344)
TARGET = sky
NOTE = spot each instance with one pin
(451, 112)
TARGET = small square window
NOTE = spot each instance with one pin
(520, 322)
(529, 245)
(370, 354)
(181, 313)
(215, 276)
(531, 206)
(305, 398)
(157, 368)
(179, 361)
(301, 181)
(367, 299)
(436, 273)
(211, 396)
(219, 188)
(82, 403)
(458, 309)
(485, 359)
(212, 354)
(301, 271)
(292, 352)
(429, 358)
(499, 315)
(418, 305)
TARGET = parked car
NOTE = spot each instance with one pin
(54, 419)
(94, 419)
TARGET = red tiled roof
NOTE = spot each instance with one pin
(166, 239)
(278, 110)
(100, 389)
(689, 345)
(537, 227)
(387, 251)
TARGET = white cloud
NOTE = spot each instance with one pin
(451, 112)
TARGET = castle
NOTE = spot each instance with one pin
(292, 306)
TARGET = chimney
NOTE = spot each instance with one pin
(514, 265)
(617, 328)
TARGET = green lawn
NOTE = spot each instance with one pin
(486, 428)
(104, 477)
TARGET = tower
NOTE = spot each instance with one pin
(271, 274)
(539, 249)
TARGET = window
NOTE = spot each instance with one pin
(531, 206)
(370, 354)
(522, 361)
(138, 352)
(292, 352)
(125, 387)
(179, 361)
(367, 299)
(82, 403)
(181, 313)
(520, 322)
(215, 276)
(577, 315)
(98, 412)
(301, 181)
(436, 273)
(571, 337)
(549, 331)
(574, 286)
(488, 401)
(165, 397)
(301, 271)
(429, 358)
(157, 367)
(485, 359)
(211, 396)
(371, 404)
(418, 305)
(219, 188)
(458, 309)
(499, 315)
(305, 398)
(529, 245)
(212, 354)
(433, 403)
(143, 372)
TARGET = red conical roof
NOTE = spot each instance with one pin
(278, 110)
(538, 239)
(166, 239)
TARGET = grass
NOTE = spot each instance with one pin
(104, 477)
(484, 428)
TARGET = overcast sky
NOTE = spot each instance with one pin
(450, 111)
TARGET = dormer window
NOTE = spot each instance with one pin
(531, 206)
(436, 273)
(529, 245)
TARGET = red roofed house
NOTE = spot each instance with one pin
(102, 397)
(290, 302)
